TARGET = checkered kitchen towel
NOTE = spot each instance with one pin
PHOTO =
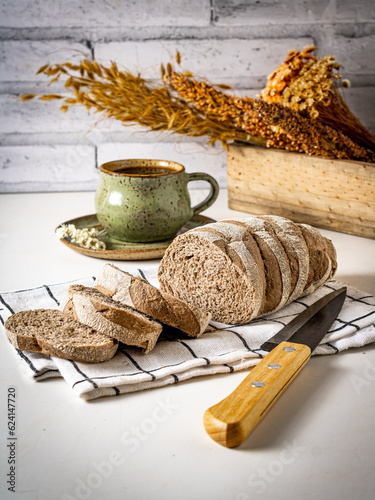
(225, 349)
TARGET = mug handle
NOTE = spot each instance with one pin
(213, 194)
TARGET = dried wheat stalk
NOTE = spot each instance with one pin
(234, 111)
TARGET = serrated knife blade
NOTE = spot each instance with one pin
(230, 421)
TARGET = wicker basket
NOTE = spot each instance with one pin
(330, 194)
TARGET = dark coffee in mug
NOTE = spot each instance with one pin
(146, 170)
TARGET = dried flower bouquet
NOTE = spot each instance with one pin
(300, 109)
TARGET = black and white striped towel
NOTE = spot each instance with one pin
(224, 350)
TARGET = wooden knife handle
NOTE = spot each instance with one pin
(231, 421)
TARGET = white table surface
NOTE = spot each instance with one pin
(316, 442)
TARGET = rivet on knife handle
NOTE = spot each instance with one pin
(231, 421)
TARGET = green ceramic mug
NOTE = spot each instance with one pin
(147, 200)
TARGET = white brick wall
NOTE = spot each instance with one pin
(47, 168)
(108, 13)
(225, 41)
(20, 59)
(237, 62)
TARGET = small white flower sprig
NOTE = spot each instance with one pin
(85, 237)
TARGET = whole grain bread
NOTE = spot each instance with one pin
(139, 294)
(110, 317)
(52, 332)
(240, 269)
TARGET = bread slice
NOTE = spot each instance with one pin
(111, 318)
(291, 238)
(322, 258)
(276, 265)
(52, 332)
(136, 292)
(20, 329)
(241, 248)
(199, 270)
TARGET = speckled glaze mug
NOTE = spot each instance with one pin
(147, 200)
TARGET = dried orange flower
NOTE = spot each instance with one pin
(234, 111)
(308, 85)
(302, 82)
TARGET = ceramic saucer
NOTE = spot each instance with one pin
(126, 250)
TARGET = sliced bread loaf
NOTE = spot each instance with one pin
(111, 318)
(137, 293)
(52, 332)
(217, 268)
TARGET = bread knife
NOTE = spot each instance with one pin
(230, 421)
